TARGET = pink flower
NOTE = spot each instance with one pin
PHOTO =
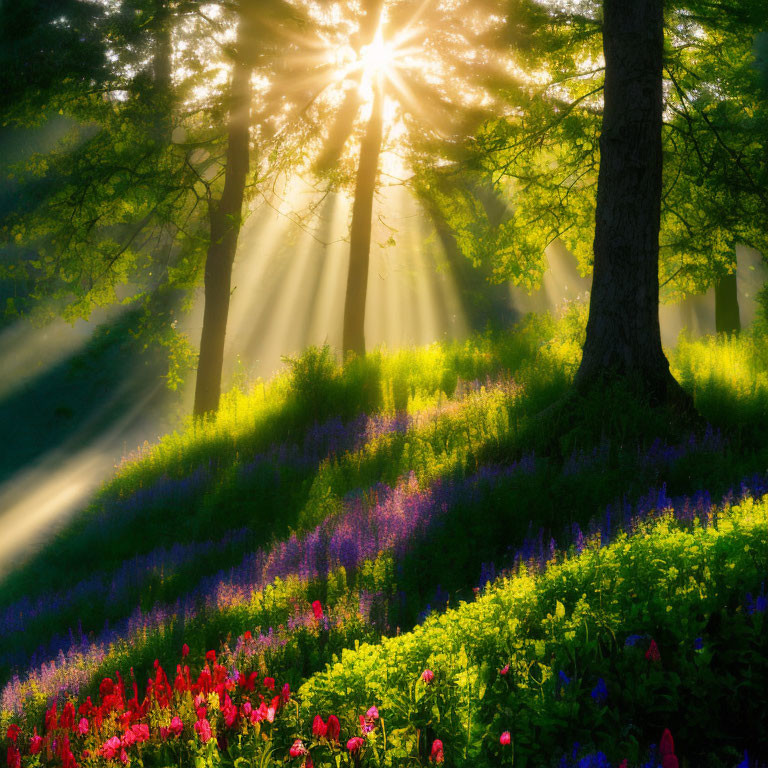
(317, 609)
(298, 749)
(373, 713)
(624, 763)
(319, 728)
(332, 728)
(82, 726)
(184, 651)
(110, 748)
(124, 759)
(505, 738)
(355, 743)
(285, 695)
(652, 654)
(176, 726)
(129, 739)
(436, 755)
(203, 730)
(427, 675)
(504, 669)
(247, 708)
(366, 725)
(140, 732)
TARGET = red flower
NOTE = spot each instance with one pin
(13, 732)
(297, 749)
(332, 728)
(201, 711)
(285, 695)
(504, 669)
(624, 764)
(355, 743)
(13, 756)
(436, 755)
(505, 738)
(652, 654)
(269, 682)
(210, 656)
(427, 675)
(317, 609)
(203, 730)
(140, 732)
(667, 744)
(67, 719)
(247, 635)
(35, 744)
(109, 748)
(106, 688)
(319, 728)
(124, 759)
(176, 726)
(184, 651)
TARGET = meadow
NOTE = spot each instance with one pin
(405, 546)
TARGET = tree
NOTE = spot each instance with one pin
(624, 117)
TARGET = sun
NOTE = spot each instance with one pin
(378, 59)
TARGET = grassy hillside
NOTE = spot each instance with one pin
(388, 489)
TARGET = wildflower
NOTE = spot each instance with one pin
(13, 756)
(366, 725)
(140, 732)
(184, 651)
(110, 748)
(247, 683)
(297, 749)
(201, 712)
(13, 732)
(667, 751)
(564, 679)
(203, 730)
(355, 743)
(332, 728)
(427, 675)
(600, 692)
(436, 755)
(505, 738)
(285, 695)
(247, 635)
(652, 654)
(372, 713)
(504, 670)
(745, 762)
(35, 743)
(317, 609)
(698, 644)
(269, 682)
(633, 640)
(319, 728)
(129, 739)
(210, 656)
(67, 719)
(82, 726)
(124, 759)
(624, 763)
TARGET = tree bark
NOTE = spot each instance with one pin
(727, 319)
(360, 231)
(623, 336)
(225, 217)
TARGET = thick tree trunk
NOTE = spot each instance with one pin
(360, 232)
(727, 319)
(225, 217)
(623, 336)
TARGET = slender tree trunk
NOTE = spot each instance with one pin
(360, 232)
(623, 336)
(225, 216)
(727, 319)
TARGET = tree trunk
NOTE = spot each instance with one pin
(727, 318)
(623, 336)
(360, 232)
(225, 217)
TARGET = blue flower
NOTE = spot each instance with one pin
(600, 692)
(698, 643)
(745, 762)
(564, 679)
(633, 639)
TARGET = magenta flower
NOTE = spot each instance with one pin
(355, 743)
(505, 738)
(203, 730)
(82, 726)
(436, 755)
(427, 675)
(176, 726)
